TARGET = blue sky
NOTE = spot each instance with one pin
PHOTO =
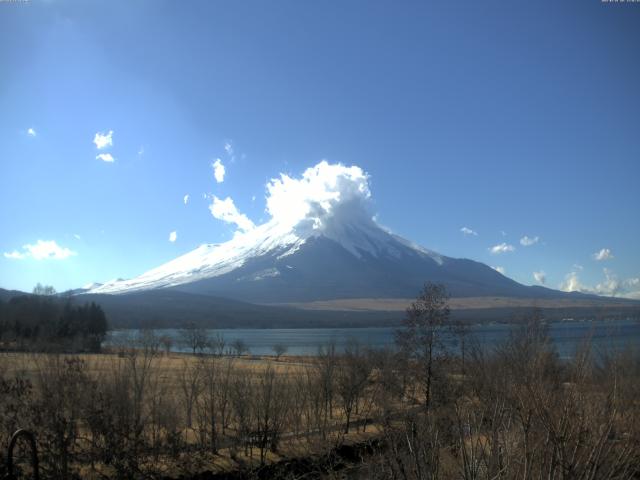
(511, 119)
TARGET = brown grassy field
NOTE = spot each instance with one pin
(511, 412)
(463, 303)
(179, 379)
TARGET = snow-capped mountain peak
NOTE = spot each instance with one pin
(321, 242)
(359, 238)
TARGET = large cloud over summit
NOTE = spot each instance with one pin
(324, 195)
(323, 192)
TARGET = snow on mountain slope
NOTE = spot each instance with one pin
(271, 239)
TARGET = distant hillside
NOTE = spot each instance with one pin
(6, 295)
(170, 309)
(167, 308)
(173, 309)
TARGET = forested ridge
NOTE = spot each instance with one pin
(46, 321)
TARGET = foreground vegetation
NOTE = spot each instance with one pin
(512, 411)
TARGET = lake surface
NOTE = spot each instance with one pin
(610, 334)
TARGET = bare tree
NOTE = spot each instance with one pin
(167, 342)
(352, 375)
(270, 399)
(239, 347)
(148, 341)
(461, 330)
(217, 344)
(326, 363)
(422, 334)
(190, 381)
(207, 402)
(279, 349)
(194, 338)
(44, 290)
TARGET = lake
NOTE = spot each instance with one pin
(609, 334)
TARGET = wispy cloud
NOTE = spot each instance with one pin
(141, 151)
(228, 148)
(218, 170)
(41, 250)
(173, 236)
(31, 132)
(500, 270)
(105, 157)
(540, 277)
(633, 284)
(610, 285)
(226, 211)
(604, 254)
(528, 241)
(186, 199)
(501, 248)
(103, 140)
(467, 231)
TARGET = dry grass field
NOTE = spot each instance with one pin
(465, 303)
(175, 395)
(514, 411)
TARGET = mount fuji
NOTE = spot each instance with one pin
(321, 245)
(336, 260)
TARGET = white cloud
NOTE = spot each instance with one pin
(501, 248)
(218, 170)
(468, 231)
(540, 277)
(105, 157)
(632, 286)
(324, 191)
(312, 201)
(141, 151)
(31, 132)
(41, 250)
(186, 199)
(103, 140)
(604, 254)
(173, 236)
(572, 283)
(501, 270)
(226, 211)
(528, 241)
(632, 282)
(610, 286)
